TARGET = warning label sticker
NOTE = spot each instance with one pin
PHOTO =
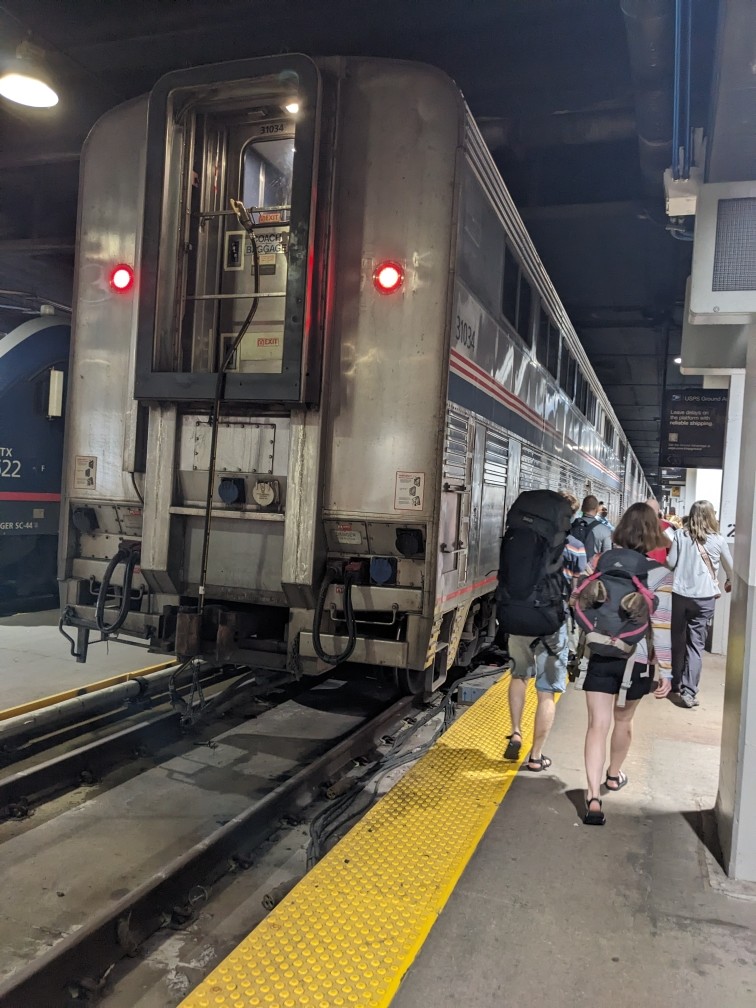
(348, 538)
(409, 491)
(85, 472)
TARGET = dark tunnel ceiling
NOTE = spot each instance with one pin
(550, 82)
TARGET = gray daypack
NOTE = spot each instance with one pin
(613, 607)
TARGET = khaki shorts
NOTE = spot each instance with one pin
(546, 662)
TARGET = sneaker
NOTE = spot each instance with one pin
(688, 700)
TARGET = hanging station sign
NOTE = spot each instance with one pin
(693, 429)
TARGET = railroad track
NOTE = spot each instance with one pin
(92, 883)
(46, 753)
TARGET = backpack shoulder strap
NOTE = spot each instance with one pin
(706, 559)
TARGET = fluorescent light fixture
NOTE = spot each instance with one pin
(25, 80)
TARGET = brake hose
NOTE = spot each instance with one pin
(328, 580)
(129, 556)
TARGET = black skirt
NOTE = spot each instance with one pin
(605, 675)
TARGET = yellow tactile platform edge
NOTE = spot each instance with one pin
(350, 930)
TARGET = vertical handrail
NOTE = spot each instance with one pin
(676, 92)
(686, 136)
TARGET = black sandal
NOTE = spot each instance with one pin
(620, 780)
(512, 751)
(593, 818)
(543, 763)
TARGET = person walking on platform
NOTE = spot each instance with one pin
(603, 516)
(624, 604)
(660, 554)
(531, 610)
(575, 561)
(695, 557)
(593, 533)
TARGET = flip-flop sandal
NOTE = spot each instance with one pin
(592, 818)
(543, 764)
(514, 744)
(620, 780)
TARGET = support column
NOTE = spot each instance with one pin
(690, 489)
(728, 503)
(736, 801)
(703, 484)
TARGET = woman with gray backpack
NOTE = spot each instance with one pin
(623, 606)
(695, 558)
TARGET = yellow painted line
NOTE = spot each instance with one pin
(56, 698)
(350, 930)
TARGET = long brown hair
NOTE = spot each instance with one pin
(638, 529)
(702, 521)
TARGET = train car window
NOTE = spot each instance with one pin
(564, 365)
(552, 358)
(590, 405)
(481, 245)
(524, 309)
(267, 173)
(542, 334)
(572, 377)
(510, 287)
(581, 392)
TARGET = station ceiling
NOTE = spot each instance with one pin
(573, 96)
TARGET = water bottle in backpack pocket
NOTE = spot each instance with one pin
(613, 606)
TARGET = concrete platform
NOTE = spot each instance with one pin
(553, 913)
(36, 661)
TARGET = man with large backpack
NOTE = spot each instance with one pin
(531, 609)
(593, 533)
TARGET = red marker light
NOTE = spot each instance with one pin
(121, 278)
(388, 277)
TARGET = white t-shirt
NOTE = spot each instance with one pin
(691, 574)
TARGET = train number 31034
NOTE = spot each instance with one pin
(465, 334)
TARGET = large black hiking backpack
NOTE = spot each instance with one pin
(613, 606)
(583, 529)
(530, 596)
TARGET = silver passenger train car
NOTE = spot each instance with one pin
(315, 357)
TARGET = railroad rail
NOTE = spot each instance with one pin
(75, 967)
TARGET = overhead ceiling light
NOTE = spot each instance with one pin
(292, 107)
(25, 80)
(678, 360)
